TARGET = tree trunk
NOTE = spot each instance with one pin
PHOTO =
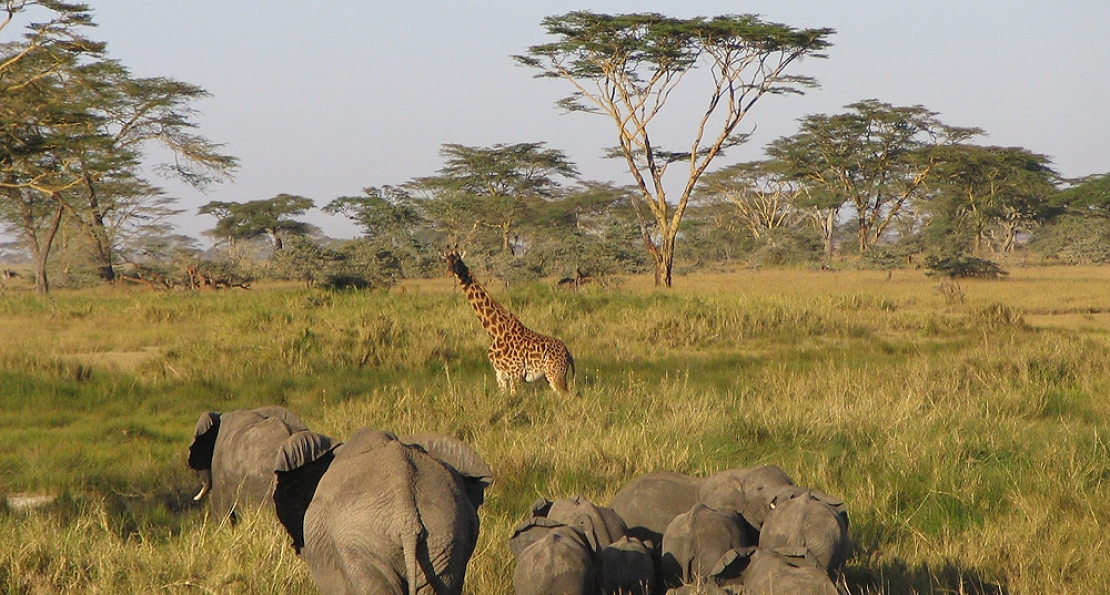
(829, 228)
(275, 240)
(663, 269)
(40, 251)
(664, 262)
(99, 233)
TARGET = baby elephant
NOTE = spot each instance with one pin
(560, 562)
(808, 522)
(571, 546)
(703, 545)
(626, 567)
(234, 455)
(650, 502)
(376, 515)
(743, 491)
(773, 573)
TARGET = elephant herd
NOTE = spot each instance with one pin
(399, 515)
(744, 530)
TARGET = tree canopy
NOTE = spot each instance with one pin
(876, 157)
(625, 67)
(991, 193)
(496, 184)
(77, 126)
(272, 217)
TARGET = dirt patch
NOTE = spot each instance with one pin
(27, 502)
(127, 362)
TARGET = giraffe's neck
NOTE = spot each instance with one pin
(493, 316)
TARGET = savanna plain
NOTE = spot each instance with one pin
(967, 431)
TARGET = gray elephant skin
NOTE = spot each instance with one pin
(599, 525)
(571, 546)
(771, 572)
(810, 523)
(376, 515)
(233, 453)
(650, 502)
(744, 491)
(559, 562)
(703, 545)
(626, 567)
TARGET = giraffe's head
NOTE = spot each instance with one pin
(456, 265)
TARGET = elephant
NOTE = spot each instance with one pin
(650, 502)
(626, 567)
(376, 515)
(772, 572)
(810, 522)
(703, 545)
(233, 453)
(571, 543)
(743, 491)
(458, 455)
(559, 562)
(599, 525)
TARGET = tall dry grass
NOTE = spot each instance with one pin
(968, 439)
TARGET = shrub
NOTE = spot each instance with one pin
(961, 266)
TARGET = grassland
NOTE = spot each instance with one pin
(970, 439)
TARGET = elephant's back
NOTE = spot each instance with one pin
(370, 499)
(650, 502)
(244, 455)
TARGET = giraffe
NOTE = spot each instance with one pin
(516, 352)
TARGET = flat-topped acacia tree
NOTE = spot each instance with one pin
(626, 67)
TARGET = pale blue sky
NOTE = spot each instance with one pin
(324, 98)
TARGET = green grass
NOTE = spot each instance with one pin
(970, 441)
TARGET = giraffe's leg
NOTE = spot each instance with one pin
(504, 382)
(558, 384)
(557, 378)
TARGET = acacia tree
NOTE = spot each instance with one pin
(43, 135)
(625, 67)
(77, 126)
(762, 199)
(984, 190)
(1088, 196)
(380, 212)
(498, 182)
(272, 218)
(876, 157)
(131, 114)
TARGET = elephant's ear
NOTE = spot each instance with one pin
(541, 507)
(731, 564)
(459, 456)
(275, 411)
(724, 491)
(834, 503)
(756, 510)
(530, 531)
(301, 449)
(204, 440)
(301, 461)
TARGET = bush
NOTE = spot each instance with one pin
(961, 266)
(1074, 240)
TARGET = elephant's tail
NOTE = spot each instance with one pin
(408, 544)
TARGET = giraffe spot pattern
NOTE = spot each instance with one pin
(516, 352)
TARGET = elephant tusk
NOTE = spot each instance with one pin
(206, 484)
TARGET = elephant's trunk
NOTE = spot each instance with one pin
(205, 483)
